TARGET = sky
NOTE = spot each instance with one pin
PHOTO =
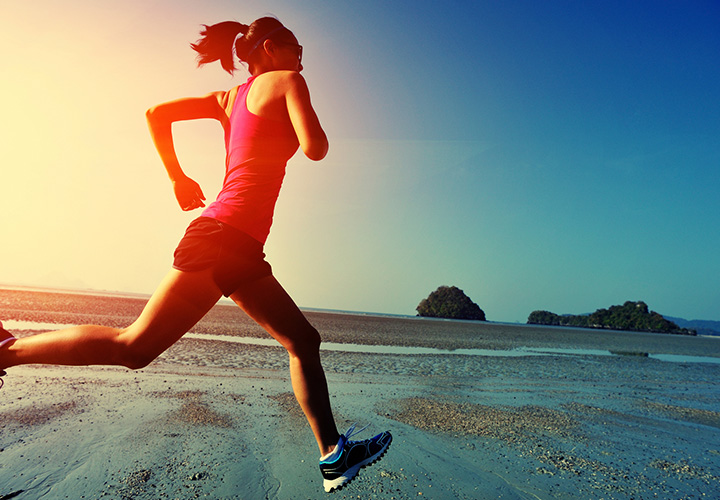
(554, 155)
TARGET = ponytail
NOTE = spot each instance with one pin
(220, 41)
(216, 43)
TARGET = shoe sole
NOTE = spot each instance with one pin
(354, 471)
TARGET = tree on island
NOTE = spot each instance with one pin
(450, 302)
(632, 316)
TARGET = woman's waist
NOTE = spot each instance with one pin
(266, 153)
(251, 186)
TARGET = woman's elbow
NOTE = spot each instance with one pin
(151, 115)
(316, 154)
(157, 119)
(316, 150)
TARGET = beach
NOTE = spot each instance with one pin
(477, 411)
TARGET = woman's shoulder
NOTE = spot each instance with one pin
(280, 79)
(225, 99)
(270, 91)
(279, 74)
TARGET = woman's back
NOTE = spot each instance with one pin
(283, 95)
(259, 145)
(267, 96)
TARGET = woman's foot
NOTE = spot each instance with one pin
(5, 338)
(343, 465)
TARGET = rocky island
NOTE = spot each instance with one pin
(451, 303)
(631, 316)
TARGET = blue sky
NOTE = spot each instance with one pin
(539, 155)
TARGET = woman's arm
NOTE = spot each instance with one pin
(310, 133)
(160, 119)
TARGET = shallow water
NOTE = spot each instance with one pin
(408, 350)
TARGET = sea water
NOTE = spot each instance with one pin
(406, 350)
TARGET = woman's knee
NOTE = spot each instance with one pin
(131, 352)
(136, 360)
(306, 344)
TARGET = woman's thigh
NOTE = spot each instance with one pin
(181, 300)
(267, 302)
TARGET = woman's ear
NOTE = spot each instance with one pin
(269, 47)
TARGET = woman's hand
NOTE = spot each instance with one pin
(188, 193)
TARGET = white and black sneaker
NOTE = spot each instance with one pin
(343, 465)
(5, 338)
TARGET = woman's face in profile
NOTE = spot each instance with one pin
(289, 54)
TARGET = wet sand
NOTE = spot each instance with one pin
(212, 419)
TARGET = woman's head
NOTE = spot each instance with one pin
(221, 42)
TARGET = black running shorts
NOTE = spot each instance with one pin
(235, 257)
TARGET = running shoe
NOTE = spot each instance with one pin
(5, 338)
(350, 456)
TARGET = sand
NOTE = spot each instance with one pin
(217, 420)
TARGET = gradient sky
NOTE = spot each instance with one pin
(554, 155)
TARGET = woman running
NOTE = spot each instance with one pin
(265, 120)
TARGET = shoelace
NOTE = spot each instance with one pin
(352, 432)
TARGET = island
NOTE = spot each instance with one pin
(631, 316)
(450, 302)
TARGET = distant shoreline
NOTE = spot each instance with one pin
(226, 302)
(223, 301)
(74, 291)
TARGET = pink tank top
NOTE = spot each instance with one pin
(257, 151)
